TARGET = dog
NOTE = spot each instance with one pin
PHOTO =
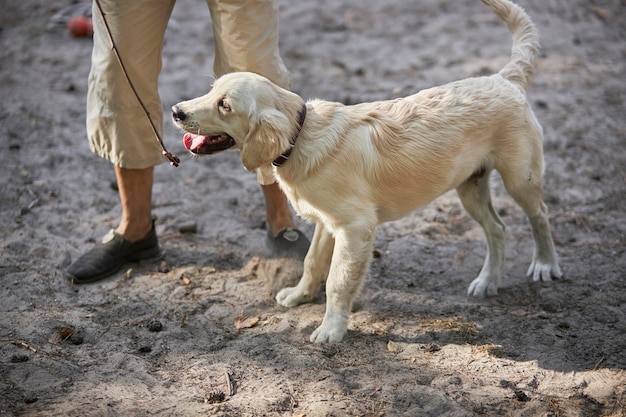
(350, 168)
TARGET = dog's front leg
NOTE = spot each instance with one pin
(350, 262)
(316, 266)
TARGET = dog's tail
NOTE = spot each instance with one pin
(525, 41)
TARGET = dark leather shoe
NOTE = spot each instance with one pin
(290, 243)
(108, 256)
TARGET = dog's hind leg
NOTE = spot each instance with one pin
(527, 193)
(476, 198)
(316, 266)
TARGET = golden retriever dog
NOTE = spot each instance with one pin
(350, 168)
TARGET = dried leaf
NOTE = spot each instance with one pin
(60, 335)
(243, 322)
(66, 332)
(393, 347)
(185, 279)
(602, 13)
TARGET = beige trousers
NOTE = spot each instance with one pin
(246, 39)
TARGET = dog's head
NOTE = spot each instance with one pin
(242, 111)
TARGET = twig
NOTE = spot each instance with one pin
(174, 160)
(24, 345)
(599, 362)
(230, 386)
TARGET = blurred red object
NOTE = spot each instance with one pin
(80, 26)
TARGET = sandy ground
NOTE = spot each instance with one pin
(198, 333)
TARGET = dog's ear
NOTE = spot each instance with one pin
(267, 138)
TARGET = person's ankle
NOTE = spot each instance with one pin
(134, 231)
(278, 225)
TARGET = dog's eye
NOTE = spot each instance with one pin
(223, 105)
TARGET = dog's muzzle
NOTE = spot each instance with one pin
(201, 144)
(206, 145)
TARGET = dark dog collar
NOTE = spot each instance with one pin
(285, 155)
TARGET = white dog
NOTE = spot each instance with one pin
(350, 168)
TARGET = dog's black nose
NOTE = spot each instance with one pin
(178, 114)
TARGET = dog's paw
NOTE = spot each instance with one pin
(333, 328)
(544, 271)
(291, 297)
(481, 288)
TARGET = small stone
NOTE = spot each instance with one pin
(163, 267)
(521, 396)
(189, 227)
(19, 358)
(76, 339)
(155, 325)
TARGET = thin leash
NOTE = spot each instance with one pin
(174, 160)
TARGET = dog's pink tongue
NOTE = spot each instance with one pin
(193, 141)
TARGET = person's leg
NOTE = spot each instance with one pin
(278, 212)
(135, 190)
(119, 131)
(117, 126)
(246, 39)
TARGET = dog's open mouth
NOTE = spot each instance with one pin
(205, 145)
